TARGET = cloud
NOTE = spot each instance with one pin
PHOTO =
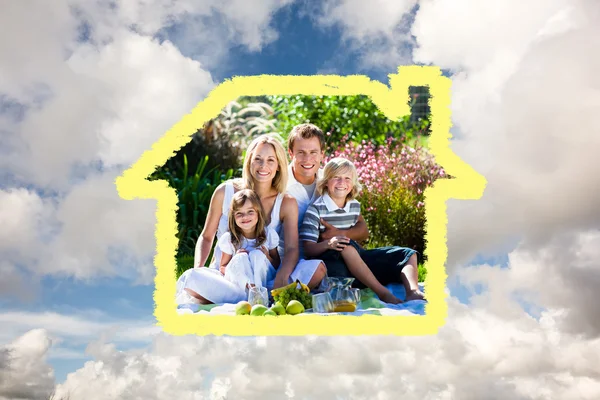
(81, 327)
(522, 101)
(561, 276)
(22, 213)
(377, 31)
(24, 373)
(477, 354)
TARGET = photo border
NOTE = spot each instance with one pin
(393, 101)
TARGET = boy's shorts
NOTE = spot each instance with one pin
(386, 263)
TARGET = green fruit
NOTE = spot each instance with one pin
(294, 307)
(278, 308)
(258, 309)
(243, 308)
(270, 312)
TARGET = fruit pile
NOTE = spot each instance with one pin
(244, 308)
(294, 291)
(292, 299)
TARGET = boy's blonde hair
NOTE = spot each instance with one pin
(336, 166)
(281, 176)
(238, 201)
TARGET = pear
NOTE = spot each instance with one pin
(294, 307)
(258, 309)
(243, 308)
(270, 312)
(278, 308)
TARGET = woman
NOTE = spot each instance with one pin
(265, 171)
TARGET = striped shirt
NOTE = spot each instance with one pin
(324, 207)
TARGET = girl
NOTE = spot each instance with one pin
(249, 250)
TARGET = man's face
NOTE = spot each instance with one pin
(306, 156)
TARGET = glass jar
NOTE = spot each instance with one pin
(344, 299)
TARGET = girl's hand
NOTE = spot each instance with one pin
(240, 251)
(338, 243)
(222, 268)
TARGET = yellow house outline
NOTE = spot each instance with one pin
(391, 100)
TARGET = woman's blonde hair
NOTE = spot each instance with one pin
(336, 166)
(238, 201)
(281, 176)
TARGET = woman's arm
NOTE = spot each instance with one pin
(205, 241)
(289, 217)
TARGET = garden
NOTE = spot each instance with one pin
(392, 158)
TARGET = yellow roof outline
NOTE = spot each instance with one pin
(393, 101)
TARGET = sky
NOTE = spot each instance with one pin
(87, 86)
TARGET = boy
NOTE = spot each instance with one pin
(343, 256)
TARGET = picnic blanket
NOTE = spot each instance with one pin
(369, 304)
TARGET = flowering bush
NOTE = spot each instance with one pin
(394, 177)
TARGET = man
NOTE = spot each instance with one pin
(306, 147)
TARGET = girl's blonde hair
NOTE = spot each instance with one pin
(238, 201)
(281, 176)
(336, 166)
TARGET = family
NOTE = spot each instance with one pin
(279, 223)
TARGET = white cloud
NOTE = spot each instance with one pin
(562, 275)
(20, 213)
(523, 100)
(24, 374)
(364, 20)
(475, 354)
(79, 328)
(377, 31)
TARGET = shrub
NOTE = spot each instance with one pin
(213, 155)
(355, 117)
(242, 121)
(394, 177)
(194, 192)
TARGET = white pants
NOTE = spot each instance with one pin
(212, 285)
(253, 268)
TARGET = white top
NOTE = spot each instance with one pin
(303, 198)
(226, 246)
(223, 227)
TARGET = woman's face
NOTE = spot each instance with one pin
(263, 165)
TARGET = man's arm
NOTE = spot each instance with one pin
(289, 215)
(359, 232)
(273, 257)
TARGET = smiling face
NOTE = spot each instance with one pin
(246, 217)
(306, 156)
(340, 184)
(264, 165)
